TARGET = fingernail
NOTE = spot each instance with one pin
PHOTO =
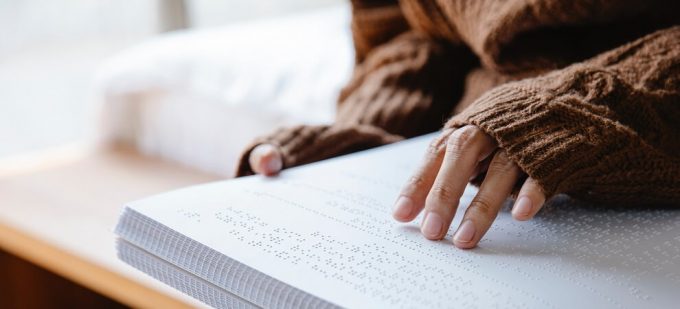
(402, 208)
(522, 207)
(465, 232)
(432, 226)
(274, 164)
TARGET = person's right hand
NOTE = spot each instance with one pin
(266, 159)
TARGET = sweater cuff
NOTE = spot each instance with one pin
(521, 119)
(305, 144)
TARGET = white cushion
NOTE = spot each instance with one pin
(198, 97)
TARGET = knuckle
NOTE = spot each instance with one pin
(441, 192)
(482, 206)
(463, 137)
(438, 144)
(502, 156)
(502, 164)
(433, 149)
(459, 137)
(416, 181)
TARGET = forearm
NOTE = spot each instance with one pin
(407, 86)
(374, 23)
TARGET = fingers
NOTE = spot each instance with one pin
(529, 200)
(497, 186)
(266, 159)
(412, 197)
(465, 148)
(481, 168)
(451, 161)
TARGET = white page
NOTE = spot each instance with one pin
(326, 228)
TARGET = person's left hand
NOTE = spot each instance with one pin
(451, 161)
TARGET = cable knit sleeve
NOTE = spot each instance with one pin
(400, 88)
(605, 130)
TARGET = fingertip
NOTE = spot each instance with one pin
(403, 209)
(464, 238)
(521, 218)
(254, 162)
(523, 209)
(272, 164)
(465, 246)
(529, 200)
(266, 159)
(433, 227)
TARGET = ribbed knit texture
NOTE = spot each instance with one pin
(583, 95)
(605, 130)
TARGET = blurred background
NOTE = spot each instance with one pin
(50, 52)
(180, 85)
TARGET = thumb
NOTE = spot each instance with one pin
(266, 159)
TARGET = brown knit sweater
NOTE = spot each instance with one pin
(583, 95)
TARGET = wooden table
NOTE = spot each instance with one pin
(58, 210)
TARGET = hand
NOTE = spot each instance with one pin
(266, 159)
(451, 161)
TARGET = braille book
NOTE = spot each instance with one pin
(322, 236)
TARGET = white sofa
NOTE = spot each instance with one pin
(198, 97)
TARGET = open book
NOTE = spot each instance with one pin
(321, 235)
